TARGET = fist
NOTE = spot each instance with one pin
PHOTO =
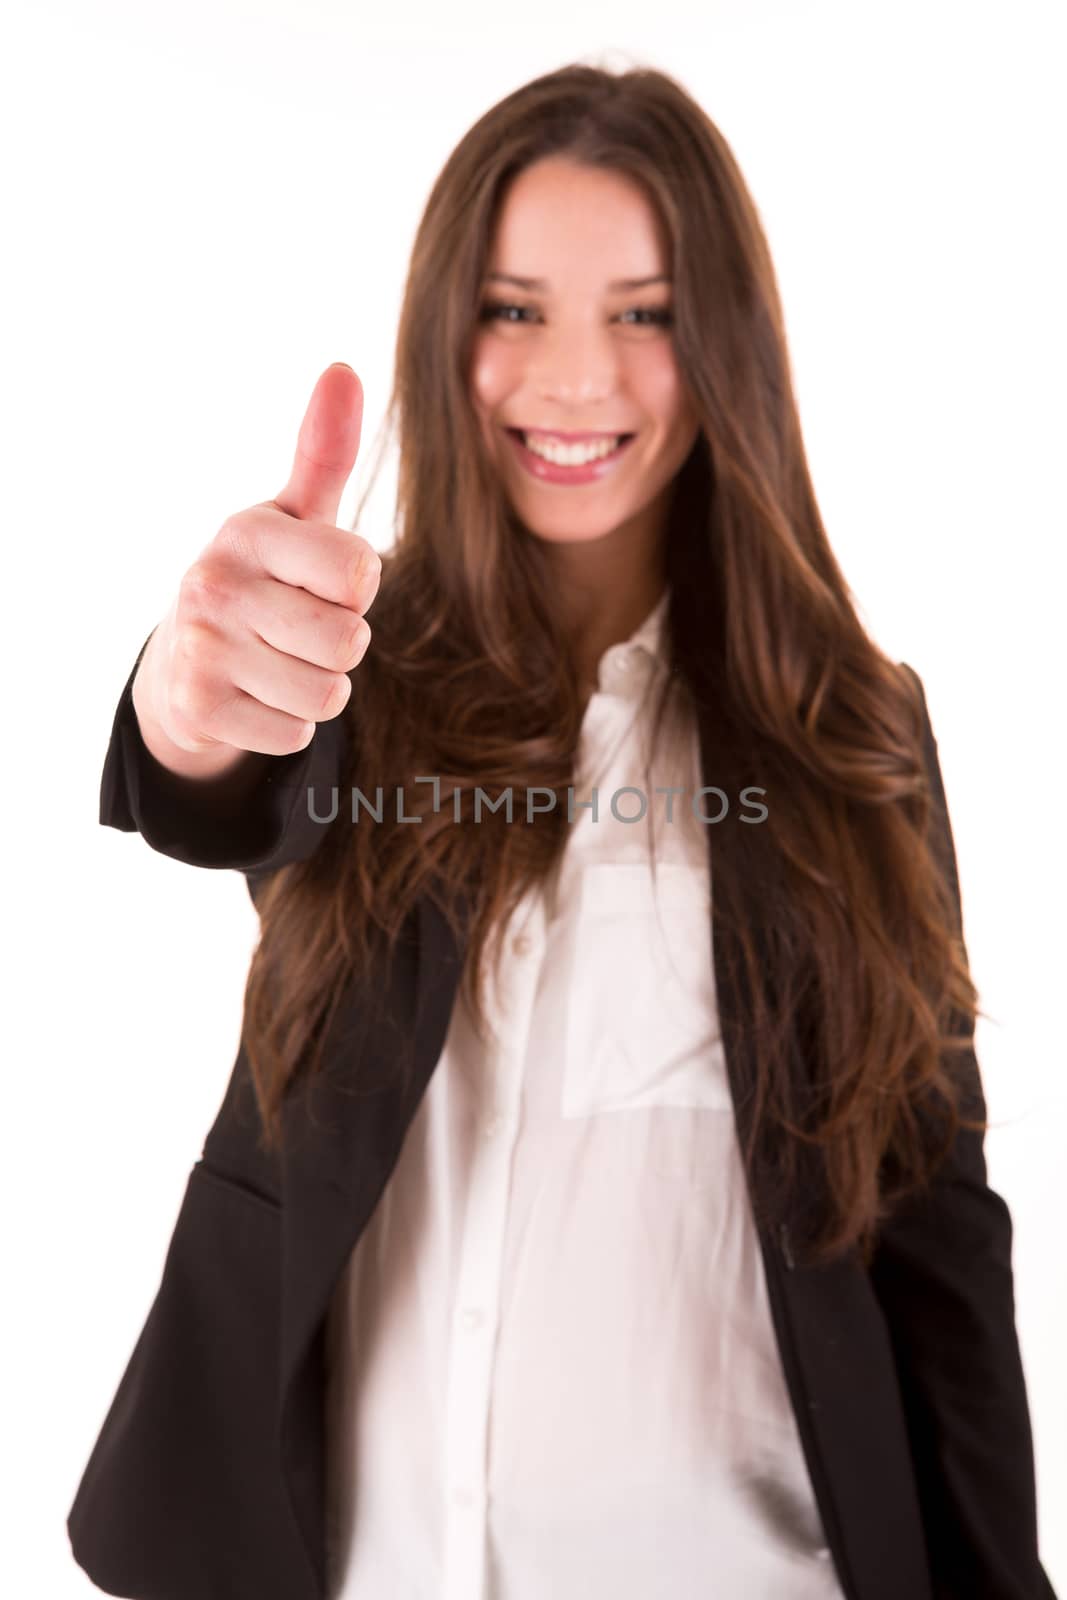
(270, 618)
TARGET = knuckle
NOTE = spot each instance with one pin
(203, 589)
(334, 697)
(187, 707)
(193, 690)
(364, 572)
(235, 535)
(349, 643)
(300, 737)
(190, 645)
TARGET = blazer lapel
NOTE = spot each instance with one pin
(340, 1148)
(832, 1340)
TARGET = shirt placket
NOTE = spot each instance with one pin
(476, 1316)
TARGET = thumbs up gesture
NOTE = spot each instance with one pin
(269, 619)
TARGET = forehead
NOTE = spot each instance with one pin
(559, 217)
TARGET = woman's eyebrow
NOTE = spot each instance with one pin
(540, 283)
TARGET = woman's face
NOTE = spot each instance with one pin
(571, 352)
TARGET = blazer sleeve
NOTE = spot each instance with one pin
(942, 1272)
(274, 825)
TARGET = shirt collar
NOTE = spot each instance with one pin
(625, 667)
(650, 635)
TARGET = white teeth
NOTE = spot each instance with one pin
(570, 455)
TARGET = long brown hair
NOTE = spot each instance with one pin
(469, 677)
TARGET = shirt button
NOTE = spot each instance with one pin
(520, 945)
(493, 1127)
(472, 1318)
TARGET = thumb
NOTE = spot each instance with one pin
(326, 447)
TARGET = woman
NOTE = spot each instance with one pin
(568, 1227)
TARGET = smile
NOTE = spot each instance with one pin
(575, 464)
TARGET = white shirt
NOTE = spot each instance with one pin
(552, 1369)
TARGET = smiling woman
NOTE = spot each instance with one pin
(576, 382)
(598, 1205)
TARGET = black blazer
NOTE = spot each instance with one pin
(207, 1481)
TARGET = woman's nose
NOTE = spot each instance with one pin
(574, 366)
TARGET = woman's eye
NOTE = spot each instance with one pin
(493, 311)
(498, 311)
(658, 316)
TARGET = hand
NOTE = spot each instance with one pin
(268, 621)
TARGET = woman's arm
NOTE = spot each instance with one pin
(942, 1272)
(254, 818)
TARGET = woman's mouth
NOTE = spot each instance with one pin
(553, 462)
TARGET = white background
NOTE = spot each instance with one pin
(206, 205)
